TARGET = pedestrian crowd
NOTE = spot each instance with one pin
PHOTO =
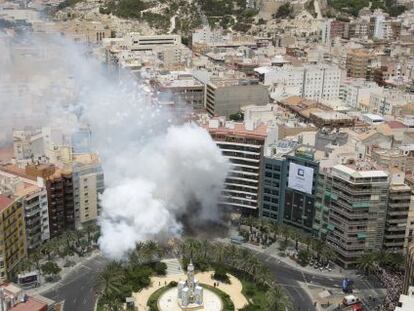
(393, 282)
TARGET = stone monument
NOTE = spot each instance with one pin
(190, 293)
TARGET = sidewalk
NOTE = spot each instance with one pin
(47, 286)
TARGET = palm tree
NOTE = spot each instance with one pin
(110, 281)
(70, 237)
(275, 229)
(89, 229)
(25, 265)
(317, 247)
(276, 300)
(307, 240)
(285, 231)
(367, 263)
(35, 257)
(296, 236)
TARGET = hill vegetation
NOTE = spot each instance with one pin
(354, 6)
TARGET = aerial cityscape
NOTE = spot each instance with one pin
(217, 155)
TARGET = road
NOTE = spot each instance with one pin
(77, 288)
(290, 279)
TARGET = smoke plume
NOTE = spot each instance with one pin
(156, 167)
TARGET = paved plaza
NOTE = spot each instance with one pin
(234, 289)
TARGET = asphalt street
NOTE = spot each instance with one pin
(289, 279)
(77, 288)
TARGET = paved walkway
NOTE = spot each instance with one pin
(233, 289)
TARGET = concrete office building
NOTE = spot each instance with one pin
(279, 200)
(355, 196)
(226, 96)
(88, 184)
(12, 235)
(243, 145)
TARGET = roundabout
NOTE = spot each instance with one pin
(163, 293)
(168, 302)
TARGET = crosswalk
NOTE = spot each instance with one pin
(173, 267)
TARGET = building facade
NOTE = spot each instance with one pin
(355, 198)
(224, 98)
(279, 200)
(244, 148)
(88, 184)
(59, 187)
(12, 233)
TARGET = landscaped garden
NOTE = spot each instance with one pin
(119, 280)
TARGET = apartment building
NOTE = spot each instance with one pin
(59, 187)
(88, 184)
(285, 196)
(399, 224)
(331, 29)
(389, 101)
(358, 64)
(353, 91)
(359, 28)
(355, 197)
(224, 97)
(317, 82)
(179, 87)
(243, 145)
(33, 196)
(12, 234)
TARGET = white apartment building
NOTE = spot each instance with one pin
(317, 82)
(382, 26)
(353, 91)
(388, 101)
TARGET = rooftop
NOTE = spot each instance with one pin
(396, 125)
(361, 169)
(4, 202)
(219, 126)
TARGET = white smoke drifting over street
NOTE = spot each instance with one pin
(155, 168)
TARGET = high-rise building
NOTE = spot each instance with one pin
(288, 190)
(355, 196)
(399, 224)
(242, 144)
(33, 197)
(224, 97)
(88, 184)
(12, 235)
(59, 186)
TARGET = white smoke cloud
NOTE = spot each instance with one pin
(155, 168)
